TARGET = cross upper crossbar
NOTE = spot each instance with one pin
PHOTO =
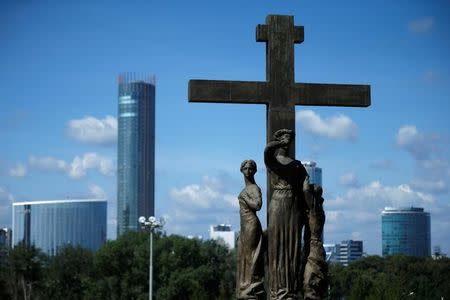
(258, 92)
(279, 92)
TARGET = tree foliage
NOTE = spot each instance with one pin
(393, 277)
(22, 273)
(193, 269)
(183, 269)
(69, 273)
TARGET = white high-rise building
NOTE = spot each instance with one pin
(223, 234)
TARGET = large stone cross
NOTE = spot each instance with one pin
(279, 93)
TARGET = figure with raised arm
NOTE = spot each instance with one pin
(286, 217)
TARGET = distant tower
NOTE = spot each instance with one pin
(406, 230)
(314, 172)
(136, 151)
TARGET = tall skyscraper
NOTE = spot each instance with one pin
(136, 151)
(406, 230)
(49, 225)
(314, 172)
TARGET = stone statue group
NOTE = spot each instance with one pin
(295, 207)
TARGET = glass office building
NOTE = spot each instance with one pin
(136, 151)
(406, 231)
(49, 225)
(314, 172)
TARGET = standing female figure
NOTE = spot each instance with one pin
(286, 214)
(250, 277)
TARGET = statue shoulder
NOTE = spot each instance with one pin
(253, 189)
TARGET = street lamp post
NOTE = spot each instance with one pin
(151, 224)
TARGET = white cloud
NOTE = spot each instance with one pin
(19, 170)
(6, 201)
(349, 179)
(232, 200)
(6, 198)
(338, 127)
(421, 25)
(376, 193)
(93, 131)
(80, 165)
(47, 163)
(357, 213)
(432, 164)
(419, 145)
(438, 186)
(196, 206)
(75, 169)
(96, 191)
(194, 194)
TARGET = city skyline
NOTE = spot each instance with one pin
(59, 114)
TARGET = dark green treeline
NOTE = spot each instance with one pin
(183, 269)
(193, 269)
(391, 278)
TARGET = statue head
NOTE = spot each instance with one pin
(248, 167)
(284, 135)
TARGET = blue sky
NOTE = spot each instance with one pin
(59, 62)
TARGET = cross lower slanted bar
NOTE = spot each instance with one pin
(279, 93)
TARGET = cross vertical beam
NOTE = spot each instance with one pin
(280, 34)
(279, 92)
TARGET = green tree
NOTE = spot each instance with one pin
(393, 277)
(192, 269)
(69, 274)
(183, 269)
(121, 268)
(24, 272)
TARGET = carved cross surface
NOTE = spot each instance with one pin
(279, 92)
